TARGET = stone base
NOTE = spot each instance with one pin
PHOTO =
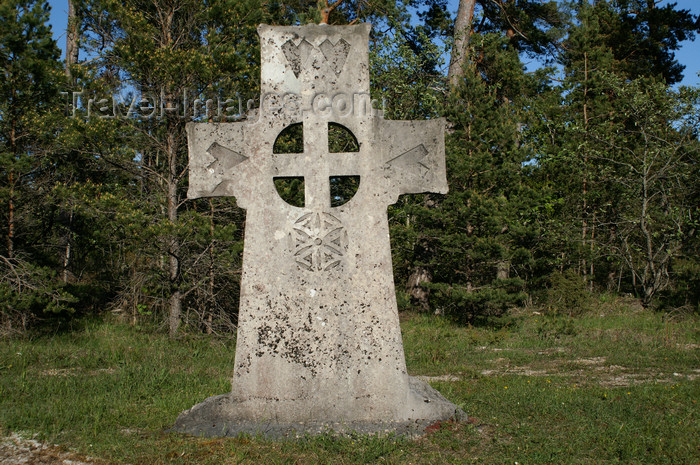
(216, 417)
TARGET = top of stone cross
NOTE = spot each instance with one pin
(314, 59)
(316, 76)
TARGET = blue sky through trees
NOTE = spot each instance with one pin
(688, 55)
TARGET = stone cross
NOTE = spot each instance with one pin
(319, 343)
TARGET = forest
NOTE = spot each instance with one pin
(572, 156)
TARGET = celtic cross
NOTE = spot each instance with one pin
(318, 332)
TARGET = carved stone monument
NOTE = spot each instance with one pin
(319, 343)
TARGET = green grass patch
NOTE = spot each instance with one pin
(617, 384)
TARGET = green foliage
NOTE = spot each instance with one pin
(184, 255)
(297, 12)
(478, 305)
(567, 294)
(653, 149)
(644, 35)
(535, 177)
(531, 26)
(28, 293)
(291, 190)
(340, 139)
(555, 328)
(405, 76)
(28, 99)
(609, 148)
(481, 234)
(685, 292)
(290, 140)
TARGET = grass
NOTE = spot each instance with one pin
(616, 385)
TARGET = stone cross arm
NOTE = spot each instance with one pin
(215, 151)
(235, 159)
(413, 157)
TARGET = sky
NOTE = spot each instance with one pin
(688, 55)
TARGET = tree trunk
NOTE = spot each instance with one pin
(419, 295)
(650, 278)
(175, 312)
(510, 30)
(462, 31)
(174, 244)
(591, 270)
(420, 273)
(210, 296)
(503, 269)
(584, 187)
(11, 219)
(72, 34)
(11, 196)
(171, 150)
(327, 9)
(67, 250)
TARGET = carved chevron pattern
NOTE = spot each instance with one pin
(298, 55)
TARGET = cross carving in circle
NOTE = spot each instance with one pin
(316, 164)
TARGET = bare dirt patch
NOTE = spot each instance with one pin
(521, 371)
(550, 351)
(76, 371)
(58, 372)
(439, 378)
(593, 370)
(17, 450)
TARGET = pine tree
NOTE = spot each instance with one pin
(172, 52)
(585, 101)
(482, 231)
(29, 108)
(581, 163)
(643, 35)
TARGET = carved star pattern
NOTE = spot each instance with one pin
(318, 242)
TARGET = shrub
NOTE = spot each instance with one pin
(567, 294)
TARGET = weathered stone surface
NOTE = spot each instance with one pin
(319, 343)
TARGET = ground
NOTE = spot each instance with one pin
(619, 384)
(17, 450)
